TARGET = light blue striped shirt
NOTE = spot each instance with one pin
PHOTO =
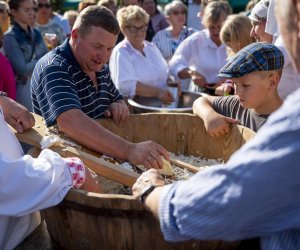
(256, 194)
(167, 44)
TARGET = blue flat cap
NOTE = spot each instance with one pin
(254, 57)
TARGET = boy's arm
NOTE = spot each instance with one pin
(215, 124)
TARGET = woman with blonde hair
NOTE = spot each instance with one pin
(202, 55)
(136, 65)
(235, 35)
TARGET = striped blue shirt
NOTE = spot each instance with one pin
(58, 84)
(167, 44)
(255, 194)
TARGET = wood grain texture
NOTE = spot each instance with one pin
(106, 221)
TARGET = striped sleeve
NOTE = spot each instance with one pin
(255, 194)
(54, 93)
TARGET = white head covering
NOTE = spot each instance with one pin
(271, 25)
(260, 11)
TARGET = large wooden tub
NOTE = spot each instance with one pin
(111, 222)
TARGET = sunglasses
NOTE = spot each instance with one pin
(134, 29)
(176, 12)
(44, 5)
(3, 11)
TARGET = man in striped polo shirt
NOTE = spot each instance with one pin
(71, 86)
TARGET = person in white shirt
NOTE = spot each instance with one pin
(29, 184)
(137, 66)
(290, 79)
(202, 55)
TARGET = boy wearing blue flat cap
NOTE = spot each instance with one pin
(255, 71)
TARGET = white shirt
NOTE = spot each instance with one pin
(271, 24)
(128, 66)
(198, 52)
(290, 79)
(26, 185)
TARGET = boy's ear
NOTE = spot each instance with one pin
(274, 80)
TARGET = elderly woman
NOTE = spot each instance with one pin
(202, 55)
(167, 40)
(137, 66)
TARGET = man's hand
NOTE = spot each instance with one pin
(165, 96)
(118, 111)
(16, 115)
(151, 177)
(147, 153)
(217, 125)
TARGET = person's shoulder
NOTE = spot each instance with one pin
(161, 33)
(227, 100)
(55, 26)
(9, 32)
(148, 44)
(190, 30)
(52, 61)
(123, 47)
(196, 36)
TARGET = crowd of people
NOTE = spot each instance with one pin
(81, 66)
(190, 56)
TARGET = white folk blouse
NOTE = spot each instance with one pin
(198, 52)
(26, 185)
(128, 66)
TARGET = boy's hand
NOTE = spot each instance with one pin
(217, 125)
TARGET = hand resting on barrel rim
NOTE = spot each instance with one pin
(16, 115)
(118, 111)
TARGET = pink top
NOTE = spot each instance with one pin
(7, 78)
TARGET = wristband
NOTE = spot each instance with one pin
(146, 191)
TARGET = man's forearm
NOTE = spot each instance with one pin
(89, 133)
